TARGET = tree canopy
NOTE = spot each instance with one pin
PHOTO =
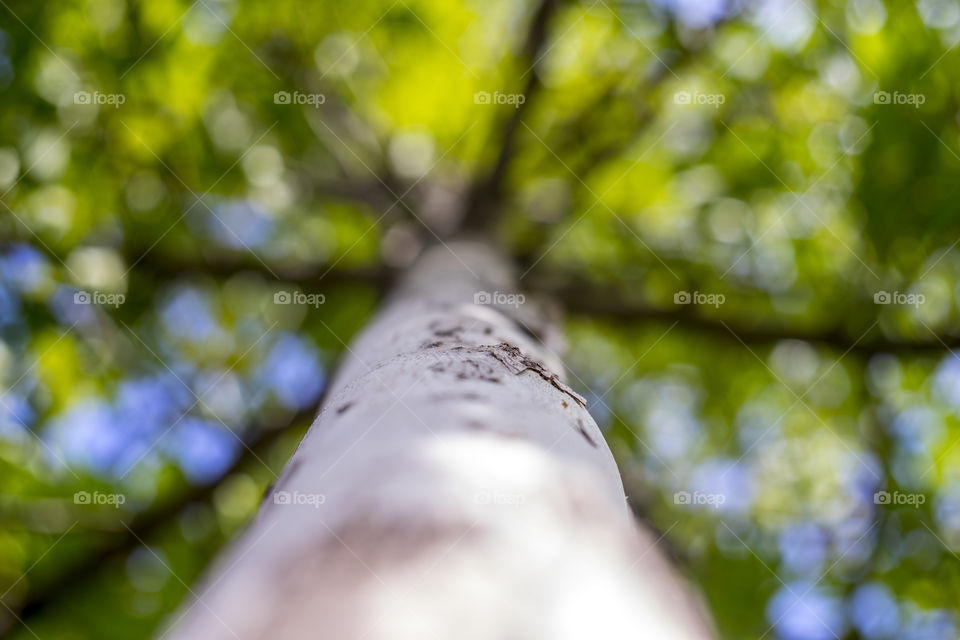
(747, 208)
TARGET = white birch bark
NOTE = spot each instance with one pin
(451, 487)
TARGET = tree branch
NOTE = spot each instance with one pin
(583, 297)
(162, 265)
(146, 524)
(486, 192)
(607, 303)
(577, 296)
(593, 299)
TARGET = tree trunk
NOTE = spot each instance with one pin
(452, 486)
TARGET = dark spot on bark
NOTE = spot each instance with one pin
(487, 331)
(475, 425)
(445, 332)
(431, 345)
(467, 376)
(473, 369)
(564, 404)
(450, 397)
(342, 409)
(583, 431)
(282, 480)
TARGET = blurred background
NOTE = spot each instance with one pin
(749, 210)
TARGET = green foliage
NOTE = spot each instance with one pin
(791, 167)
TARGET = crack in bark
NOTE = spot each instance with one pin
(514, 360)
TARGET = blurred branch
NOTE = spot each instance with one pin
(368, 174)
(145, 525)
(162, 263)
(579, 296)
(607, 303)
(573, 133)
(485, 194)
(576, 295)
(578, 133)
(670, 62)
(876, 438)
(372, 192)
(355, 145)
(221, 264)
